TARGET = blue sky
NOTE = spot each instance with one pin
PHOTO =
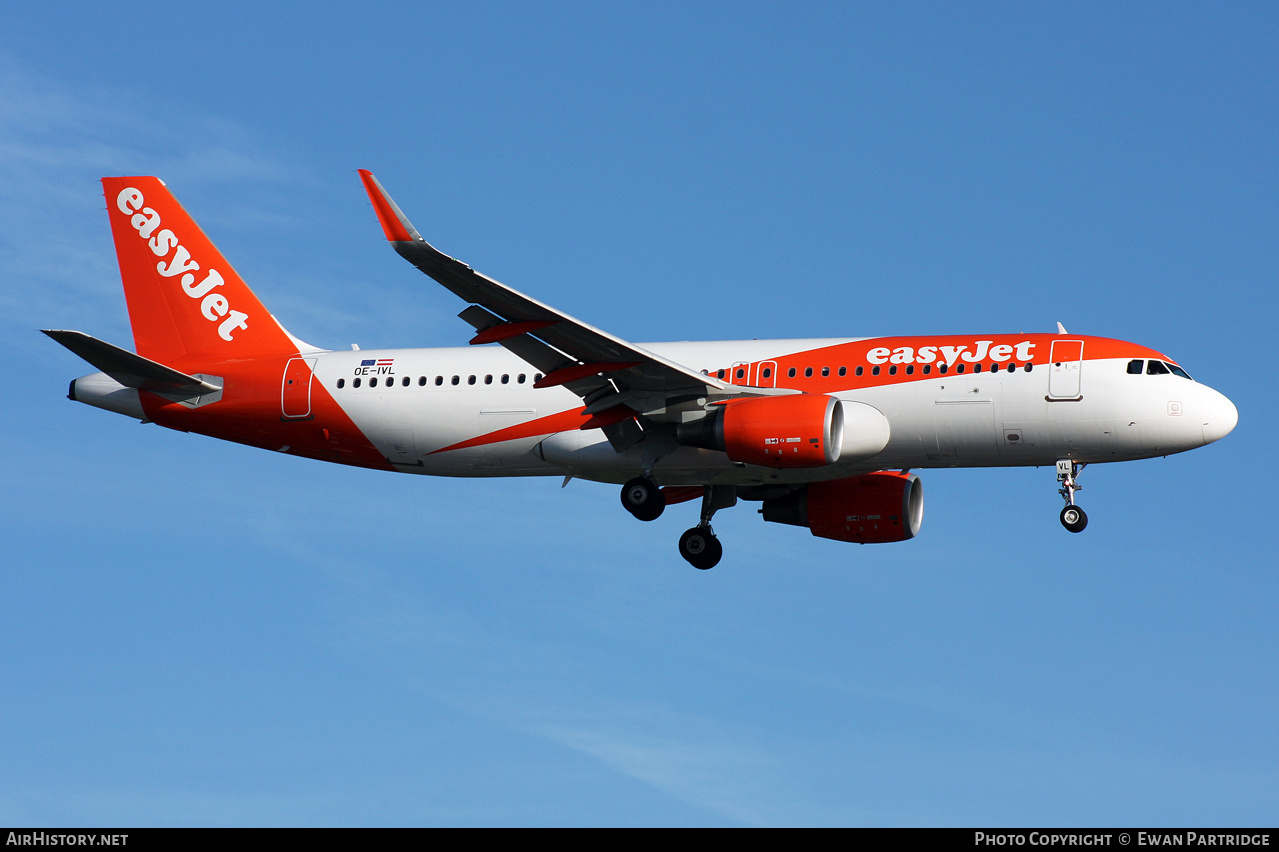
(197, 633)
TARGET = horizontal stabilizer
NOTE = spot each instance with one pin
(129, 369)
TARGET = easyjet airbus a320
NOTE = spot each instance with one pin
(823, 432)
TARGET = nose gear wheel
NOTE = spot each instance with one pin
(1073, 518)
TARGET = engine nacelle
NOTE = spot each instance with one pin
(869, 509)
(798, 430)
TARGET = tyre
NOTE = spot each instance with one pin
(643, 499)
(1074, 519)
(700, 548)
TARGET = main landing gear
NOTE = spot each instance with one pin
(643, 499)
(1073, 518)
(700, 548)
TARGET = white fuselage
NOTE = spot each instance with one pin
(971, 420)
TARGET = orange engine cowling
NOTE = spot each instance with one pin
(798, 430)
(869, 509)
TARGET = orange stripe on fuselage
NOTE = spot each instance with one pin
(250, 413)
(917, 352)
(560, 422)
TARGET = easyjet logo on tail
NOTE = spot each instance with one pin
(214, 306)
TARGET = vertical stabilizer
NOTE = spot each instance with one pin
(184, 299)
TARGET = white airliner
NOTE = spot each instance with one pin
(823, 432)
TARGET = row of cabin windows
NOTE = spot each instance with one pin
(942, 369)
(1155, 368)
(389, 381)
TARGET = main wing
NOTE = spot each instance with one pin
(615, 379)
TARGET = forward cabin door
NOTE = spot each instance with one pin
(1067, 357)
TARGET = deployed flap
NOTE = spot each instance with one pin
(538, 332)
(130, 370)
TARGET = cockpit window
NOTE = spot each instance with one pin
(1177, 371)
(1156, 368)
(1134, 367)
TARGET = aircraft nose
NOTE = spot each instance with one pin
(1220, 417)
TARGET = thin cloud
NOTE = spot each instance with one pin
(56, 141)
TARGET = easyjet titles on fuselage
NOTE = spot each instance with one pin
(214, 306)
(950, 354)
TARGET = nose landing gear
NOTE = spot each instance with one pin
(1073, 518)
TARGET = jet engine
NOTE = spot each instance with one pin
(798, 430)
(869, 509)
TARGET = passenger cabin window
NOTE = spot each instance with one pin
(843, 371)
(1134, 367)
(791, 372)
(355, 384)
(341, 383)
(405, 381)
(859, 371)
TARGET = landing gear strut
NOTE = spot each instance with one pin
(1073, 518)
(643, 499)
(699, 546)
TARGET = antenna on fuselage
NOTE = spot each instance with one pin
(1061, 329)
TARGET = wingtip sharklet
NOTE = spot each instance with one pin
(395, 224)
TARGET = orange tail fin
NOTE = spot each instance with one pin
(184, 299)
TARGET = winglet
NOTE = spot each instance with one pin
(395, 224)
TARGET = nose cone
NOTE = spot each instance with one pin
(1220, 417)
